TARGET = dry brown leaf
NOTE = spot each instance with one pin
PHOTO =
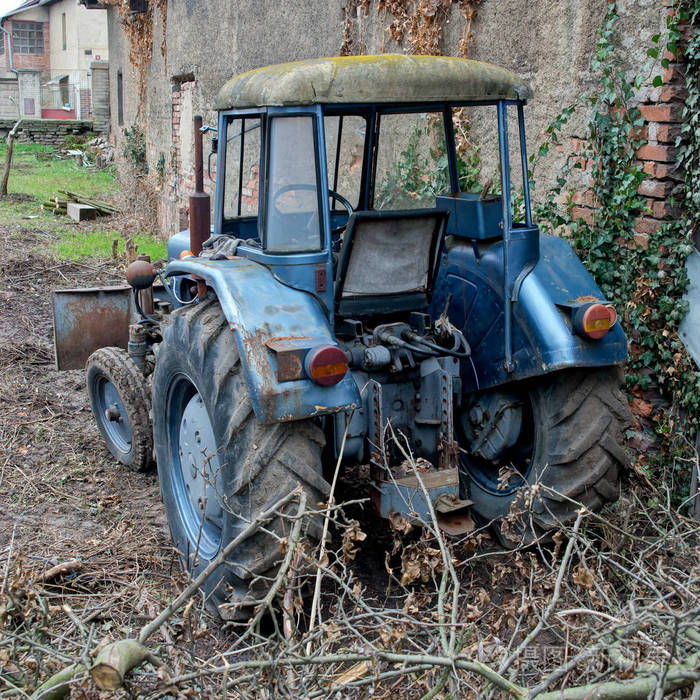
(351, 535)
(354, 673)
(584, 577)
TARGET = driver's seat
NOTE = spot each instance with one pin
(388, 261)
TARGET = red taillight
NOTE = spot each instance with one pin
(594, 320)
(326, 365)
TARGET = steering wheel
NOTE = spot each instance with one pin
(303, 187)
(309, 188)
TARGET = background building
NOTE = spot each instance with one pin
(46, 52)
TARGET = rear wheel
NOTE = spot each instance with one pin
(218, 465)
(568, 450)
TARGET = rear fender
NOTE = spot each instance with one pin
(261, 310)
(543, 337)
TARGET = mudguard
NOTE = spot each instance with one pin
(471, 278)
(261, 310)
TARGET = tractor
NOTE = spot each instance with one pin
(355, 298)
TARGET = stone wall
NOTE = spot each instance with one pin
(549, 43)
(50, 132)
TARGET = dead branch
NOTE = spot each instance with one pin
(67, 567)
(324, 535)
(563, 567)
(58, 686)
(115, 660)
(678, 676)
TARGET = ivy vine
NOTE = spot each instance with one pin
(646, 283)
(138, 27)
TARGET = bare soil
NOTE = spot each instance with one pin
(62, 495)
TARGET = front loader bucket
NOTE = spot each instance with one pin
(85, 320)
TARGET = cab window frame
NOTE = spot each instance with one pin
(226, 119)
(319, 169)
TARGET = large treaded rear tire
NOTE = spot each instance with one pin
(258, 464)
(579, 417)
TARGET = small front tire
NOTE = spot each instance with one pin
(121, 404)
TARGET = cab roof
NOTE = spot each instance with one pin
(388, 78)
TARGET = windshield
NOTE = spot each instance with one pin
(293, 222)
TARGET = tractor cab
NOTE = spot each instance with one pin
(315, 176)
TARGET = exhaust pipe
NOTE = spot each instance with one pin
(200, 216)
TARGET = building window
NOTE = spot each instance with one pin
(63, 29)
(28, 37)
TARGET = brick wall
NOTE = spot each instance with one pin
(178, 177)
(85, 103)
(50, 132)
(662, 108)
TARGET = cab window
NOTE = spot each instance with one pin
(412, 166)
(345, 140)
(292, 213)
(242, 166)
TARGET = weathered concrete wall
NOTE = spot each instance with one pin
(50, 132)
(85, 29)
(551, 43)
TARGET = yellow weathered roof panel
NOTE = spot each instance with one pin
(370, 79)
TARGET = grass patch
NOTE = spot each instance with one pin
(75, 245)
(33, 173)
(36, 172)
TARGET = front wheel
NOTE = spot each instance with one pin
(218, 466)
(121, 405)
(567, 451)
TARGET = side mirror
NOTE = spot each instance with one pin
(214, 149)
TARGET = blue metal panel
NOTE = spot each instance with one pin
(259, 308)
(689, 330)
(542, 333)
(178, 243)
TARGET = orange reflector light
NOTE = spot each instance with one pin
(326, 365)
(594, 320)
(186, 254)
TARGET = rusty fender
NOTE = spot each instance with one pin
(261, 311)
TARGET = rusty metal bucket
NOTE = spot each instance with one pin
(85, 320)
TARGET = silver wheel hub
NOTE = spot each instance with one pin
(201, 468)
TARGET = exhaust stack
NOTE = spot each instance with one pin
(200, 216)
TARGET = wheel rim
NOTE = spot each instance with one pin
(520, 457)
(112, 414)
(196, 468)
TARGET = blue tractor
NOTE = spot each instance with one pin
(344, 306)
